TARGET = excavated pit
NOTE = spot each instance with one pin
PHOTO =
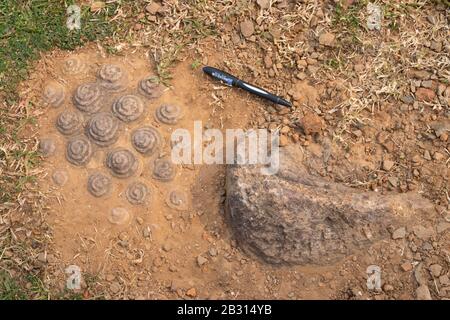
(106, 138)
(96, 116)
(105, 134)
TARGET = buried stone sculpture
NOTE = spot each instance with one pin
(99, 184)
(137, 193)
(73, 67)
(100, 127)
(54, 94)
(87, 97)
(146, 140)
(177, 199)
(47, 147)
(79, 151)
(150, 88)
(69, 122)
(112, 77)
(163, 170)
(103, 128)
(293, 217)
(128, 108)
(168, 114)
(122, 163)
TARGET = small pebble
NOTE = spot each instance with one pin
(167, 247)
(327, 39)
(438, 156)
(423, 293)
(444, 280)
(284, 141)
(247, 28)
(387, 288)
(201, 260)
(387, 165)
(114, 287)
(60, 177)
(399, 233)
(407, 266)
(191, 292)
(435, 270)
(153, 8)
(146, 232)
(393, 181)
(213, 252)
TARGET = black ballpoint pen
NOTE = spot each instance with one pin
(235, 82)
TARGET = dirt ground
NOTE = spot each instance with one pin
(371, 111)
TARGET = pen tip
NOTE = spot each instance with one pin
(286, 103)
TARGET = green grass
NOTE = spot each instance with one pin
(348, 17)
(30, 27)
(197, 63)
(37, 289)
(333, 63)
(347, 22)
(9, 289)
